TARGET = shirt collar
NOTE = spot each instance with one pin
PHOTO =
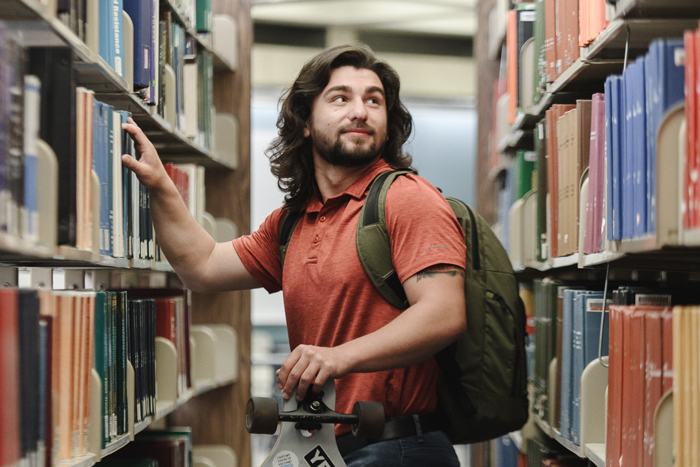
(357, 189)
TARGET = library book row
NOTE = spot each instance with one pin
(115, 52)
(101, 212)
(170, 447)
(85, 371)
(613, 174)
(614, 388)
(553, 50)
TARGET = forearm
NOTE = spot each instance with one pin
(185, 243)
(414, 336)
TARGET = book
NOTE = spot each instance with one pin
(141, 14)
(32, 109)
(10, 447)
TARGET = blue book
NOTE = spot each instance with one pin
(117, 31)
(594, 309)
(506, 452)
(127, 148)
(577, 361)
(32, 116)
(614, 124)
(141, 14)
(627, 200)
(566, 362)
(639, 151)
(651, 77)
(106, 31)
(102, 164)
(670, 84)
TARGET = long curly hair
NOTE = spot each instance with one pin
(290, 152)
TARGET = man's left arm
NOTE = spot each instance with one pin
(434, 319)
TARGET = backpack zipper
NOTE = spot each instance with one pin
(476, 260)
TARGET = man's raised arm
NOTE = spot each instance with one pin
(200, 262)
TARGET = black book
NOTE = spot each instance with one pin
(54, 67)
(28, 304)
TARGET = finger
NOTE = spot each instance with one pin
(283, 373)
(307, 379)
(136, 133)
(293, 377)
(321, 378)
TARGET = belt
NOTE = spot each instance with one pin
(396, 427)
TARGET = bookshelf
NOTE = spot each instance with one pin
(666, 253)
(222, 393)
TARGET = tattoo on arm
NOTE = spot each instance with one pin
(432, 271)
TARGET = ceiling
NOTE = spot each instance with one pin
(435, 17)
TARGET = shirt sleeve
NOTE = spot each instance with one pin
(423, 229)
(259, 252)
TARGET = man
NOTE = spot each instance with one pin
(341, 125)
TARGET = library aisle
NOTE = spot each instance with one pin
(588, 158)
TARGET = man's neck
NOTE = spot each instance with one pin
(332, 180)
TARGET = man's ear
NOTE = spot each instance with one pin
(307, 132)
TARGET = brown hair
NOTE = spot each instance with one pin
(290, 153)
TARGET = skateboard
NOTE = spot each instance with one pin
(307, 435)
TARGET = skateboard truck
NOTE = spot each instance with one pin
(304, 437)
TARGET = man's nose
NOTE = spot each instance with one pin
(358, 111)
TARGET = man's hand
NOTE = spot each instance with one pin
(309, 365)
(149, 168)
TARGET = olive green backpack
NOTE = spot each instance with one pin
(482, 387)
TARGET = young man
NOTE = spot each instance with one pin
(340, 126)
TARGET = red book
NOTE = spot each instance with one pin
(667, 350)
(653, 333)
(550, 51)
(512, 67)
(632, 386)
(9, 382)
(572, 32)
(696, 126)
(560, 37)
(690, 117)
(165, 320)
(613, 430)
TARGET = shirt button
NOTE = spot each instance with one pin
(323, 218)
(316, 239)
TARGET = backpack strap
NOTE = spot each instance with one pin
(289, 223)
(372, 239)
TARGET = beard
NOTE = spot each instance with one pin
(348, 154)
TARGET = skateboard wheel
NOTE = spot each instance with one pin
(370, 422)
(261, 415)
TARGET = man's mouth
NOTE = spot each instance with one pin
(357, 131)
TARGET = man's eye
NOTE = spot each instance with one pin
(339, 99)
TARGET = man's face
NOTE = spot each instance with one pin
(348, 119)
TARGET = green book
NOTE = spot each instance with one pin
(204, 18)
(540, 68)
(523, 169)
(100, 360)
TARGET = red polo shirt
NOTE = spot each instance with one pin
(327, 296)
